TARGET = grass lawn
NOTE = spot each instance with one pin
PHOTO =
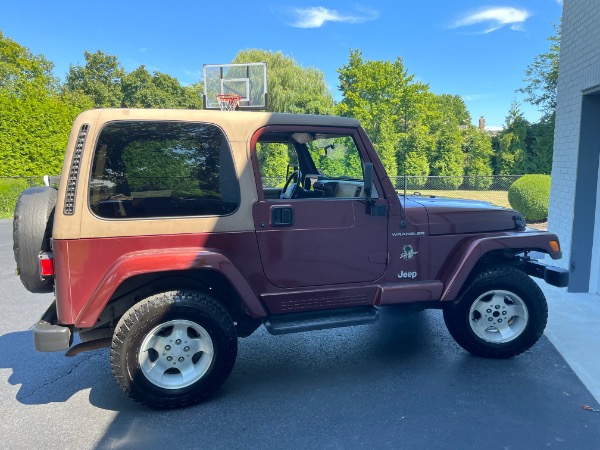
(499, 198)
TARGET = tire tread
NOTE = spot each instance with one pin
(32, 229)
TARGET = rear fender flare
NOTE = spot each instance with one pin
(155, 261)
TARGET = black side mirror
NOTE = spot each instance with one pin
(372, 207)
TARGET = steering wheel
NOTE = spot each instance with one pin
(289, 188)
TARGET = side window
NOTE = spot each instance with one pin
(336, 157)
(274, 158)
(162, 169)
(310, 165)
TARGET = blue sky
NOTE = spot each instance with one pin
(476, 49)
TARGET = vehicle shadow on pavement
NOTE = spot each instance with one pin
(52, 378)
(401, 383)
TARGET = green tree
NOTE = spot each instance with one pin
(34, 129)
(273, 160)
(378, 93)
(141, 89)
(448, 159)
(100, 79)
(388, 146)
(34, 119)
(511, 153)
(541, 76)
(104, 80)
(291, 87)
(389, 103)
(412, 156)
(542, 79)
(21, 69)
(452, 109)
(477, 148)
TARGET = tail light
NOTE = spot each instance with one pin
(46, 264)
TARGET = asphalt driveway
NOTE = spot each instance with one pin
(401, 383)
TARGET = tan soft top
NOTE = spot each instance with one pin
(239, 126)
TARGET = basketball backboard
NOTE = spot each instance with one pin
(249, 81)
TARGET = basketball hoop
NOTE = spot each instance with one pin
(228, 102)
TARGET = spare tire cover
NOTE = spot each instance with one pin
(32, 229)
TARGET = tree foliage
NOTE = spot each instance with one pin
(541, 76)
(448, 158)
(477, 148)
(415, 131)
(35, 119)
(273, 159)
(511, 150)
(412, 156)
(412, 128)
(380, 92)
(20, 69)
(542, 79)
(104, 80)
(141, 89)
(387, 147)
(291, 87)
(34, 129)
(100, 79)
(452, 109)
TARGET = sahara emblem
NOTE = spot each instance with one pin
(408, 252)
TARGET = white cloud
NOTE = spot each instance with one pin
(474, 97)
(495, 18)
(317, 16)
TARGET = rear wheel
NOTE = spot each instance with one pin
(501, 314)
(173, 349)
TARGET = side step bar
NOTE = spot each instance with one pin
(319, 320)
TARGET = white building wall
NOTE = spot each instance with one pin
(579, 72)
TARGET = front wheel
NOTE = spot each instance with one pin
(173, 349)
(501, 314)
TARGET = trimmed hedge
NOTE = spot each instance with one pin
(530, 195)
(10, 189)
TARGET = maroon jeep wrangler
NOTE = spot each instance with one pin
(168, 238)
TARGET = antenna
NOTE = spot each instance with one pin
(403, 223)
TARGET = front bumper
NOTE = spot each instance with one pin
(550, 274)
(48, 336)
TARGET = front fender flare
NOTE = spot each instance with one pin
(153, 261)
(472, 250)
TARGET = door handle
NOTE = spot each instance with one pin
(282, 216)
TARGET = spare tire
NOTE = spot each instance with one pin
(32, 229)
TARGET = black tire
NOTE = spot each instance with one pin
(501, 314)
(146, 338)
(32, 229)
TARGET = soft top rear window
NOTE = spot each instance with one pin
(145, 169)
